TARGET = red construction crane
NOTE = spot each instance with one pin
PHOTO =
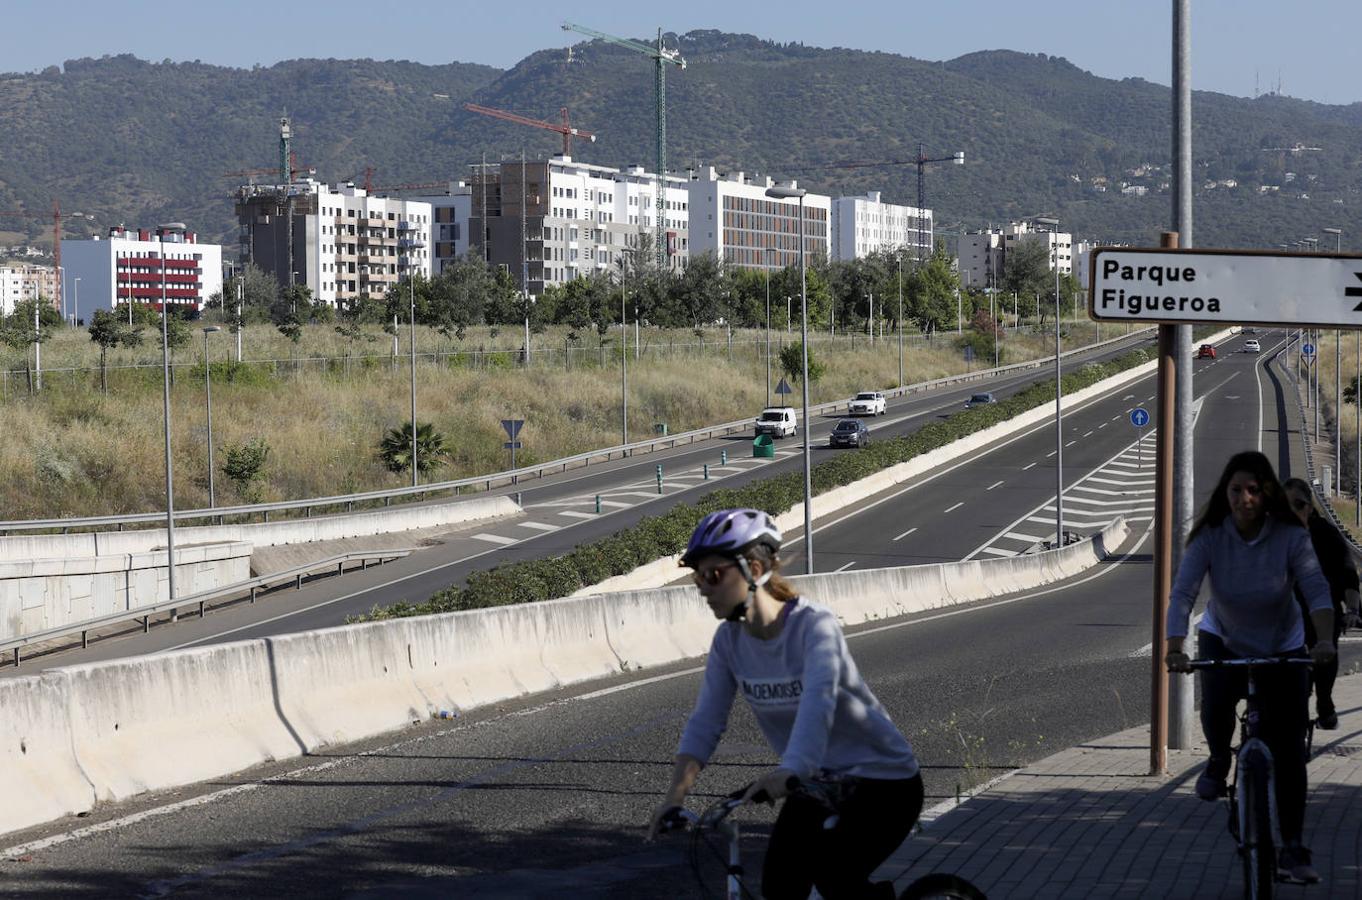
(56, 234)
(565, 129)
(272, 171)
(398, 188)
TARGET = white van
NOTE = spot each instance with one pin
(777, 421)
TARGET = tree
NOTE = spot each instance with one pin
(395, 448)
(792, 363)
(244, 466)
(108, 331)
(1027, 273)
(929, 294)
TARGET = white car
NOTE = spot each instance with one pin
(867, 403)
(777, 421)
(1252, 346)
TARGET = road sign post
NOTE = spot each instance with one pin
(1139, 417)
(513, 427)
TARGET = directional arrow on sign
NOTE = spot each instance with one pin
(1354, 292)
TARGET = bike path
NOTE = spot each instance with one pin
(1092, 822)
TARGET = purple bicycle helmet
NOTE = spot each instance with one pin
(729, 532)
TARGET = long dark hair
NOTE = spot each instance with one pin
(777, 586)
(1274, 497)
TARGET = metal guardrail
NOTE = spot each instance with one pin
(513, 476)
(201, 599)
(1315, 485)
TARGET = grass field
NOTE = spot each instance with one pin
(323, 405)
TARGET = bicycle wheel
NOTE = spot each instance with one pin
(1255, 828)
(941, 886)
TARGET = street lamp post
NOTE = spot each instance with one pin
(1338, 384)
(770, 251)
(411, 281)
(208, 400)
(900, 258)
(76, 315)
(165, 408)
(791, 193)
(1059, 394)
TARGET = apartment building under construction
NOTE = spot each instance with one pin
(346, 243)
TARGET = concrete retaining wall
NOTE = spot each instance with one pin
(39, 594)
(81, 735)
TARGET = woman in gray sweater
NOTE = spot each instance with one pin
(1255, 552)
(789, 660)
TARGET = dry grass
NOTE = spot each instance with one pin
(69, 450)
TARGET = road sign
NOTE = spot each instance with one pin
(512, 445)
(1307, 350)
(969, 353)
(784, 387)
(1221, 287)
(512, 427)
(1139, 417)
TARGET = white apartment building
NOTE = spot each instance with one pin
(141, 265)
(863, 225)
(20, 282)
(732, 217)
(574, 218)
(347, 243)
(981, 256)
(450, 213)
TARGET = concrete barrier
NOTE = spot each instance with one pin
(81, 735)
(39, 594)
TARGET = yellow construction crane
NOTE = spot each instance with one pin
(663, 57)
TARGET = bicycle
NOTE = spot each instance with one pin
(1252, 797)
(828, 794)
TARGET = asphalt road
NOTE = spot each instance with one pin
(548, 796)
(559, 515)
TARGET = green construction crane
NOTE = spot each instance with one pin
(662, 56)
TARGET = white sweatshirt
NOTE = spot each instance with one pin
(808, 698)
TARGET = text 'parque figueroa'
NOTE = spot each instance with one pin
(1133, 304)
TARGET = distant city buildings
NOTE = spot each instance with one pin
(450, 212)
(864, 225)
(982, 255)
(346, 243)
(21, 282)
(143, 265)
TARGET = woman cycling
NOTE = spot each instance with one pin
(790, 661)
(1336, 563)
(1255, 551)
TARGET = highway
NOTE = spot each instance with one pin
(548, 795)
(559, 515)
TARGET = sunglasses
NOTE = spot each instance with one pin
(713, 575)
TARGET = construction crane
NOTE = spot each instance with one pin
(565, 129)
(663, 57)
(419, 186)
(56, 236)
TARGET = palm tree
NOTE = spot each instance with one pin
(395, 448)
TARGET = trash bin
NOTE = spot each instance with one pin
(764, 446)
(660, 429)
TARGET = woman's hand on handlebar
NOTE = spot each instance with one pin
(667, 817)
(770, 787)
(1177, 661)
(1323, 652)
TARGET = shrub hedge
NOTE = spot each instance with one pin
(658, 536)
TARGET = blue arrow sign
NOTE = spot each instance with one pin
(1308, 349)
(1139, 417)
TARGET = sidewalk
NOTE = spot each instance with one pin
(1091, 822)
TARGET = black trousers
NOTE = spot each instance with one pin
(872, 823)
(1283, 701)
(1324, 676)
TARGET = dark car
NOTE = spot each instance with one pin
(849, 433)
(1206, 351)
(981, 399)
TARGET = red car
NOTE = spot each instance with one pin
(1206, 351)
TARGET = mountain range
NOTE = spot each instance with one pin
(123, 140)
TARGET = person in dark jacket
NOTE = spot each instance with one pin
(1336, 563)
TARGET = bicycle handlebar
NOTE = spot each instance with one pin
(1251, 661)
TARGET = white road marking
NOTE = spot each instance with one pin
(1086, 433)
(1071, 443)
(995, 551)
(1050, 454)
(905, 534)
(615, 504)
(955, 507)
(577, 515)
(1027, 466)
(844, 568)
(1018, 536)
(993, 485)
(493, 538)
(539, 526)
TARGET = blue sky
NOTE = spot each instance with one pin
(1306, 44)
